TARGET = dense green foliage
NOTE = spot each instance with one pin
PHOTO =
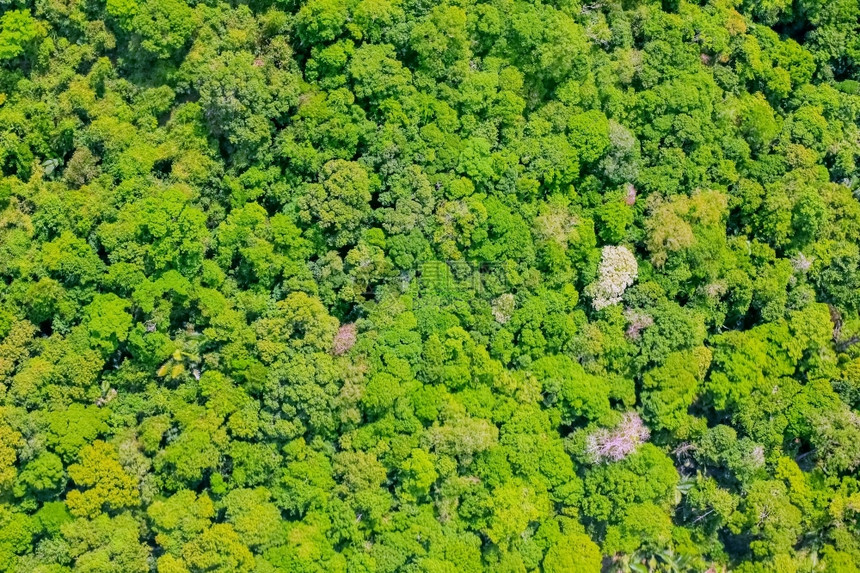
(374, 286)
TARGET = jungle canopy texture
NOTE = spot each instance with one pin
(378, 286)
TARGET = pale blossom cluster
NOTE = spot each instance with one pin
(344, 340)
(503, 308)
(618, 270)
(756, 456)
(618, 443)
(629, 194)
(801, 263)
(637, 321)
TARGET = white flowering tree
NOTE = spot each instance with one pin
(618, 270)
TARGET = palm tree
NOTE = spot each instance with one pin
(664, 561)
(185, 357)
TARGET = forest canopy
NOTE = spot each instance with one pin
(378, 286)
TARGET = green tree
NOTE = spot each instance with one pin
(340, 202)
(105, 485)
(19, 32)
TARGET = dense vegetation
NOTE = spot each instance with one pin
(374, 286)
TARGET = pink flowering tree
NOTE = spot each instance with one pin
(344, 340)
(616, 444)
